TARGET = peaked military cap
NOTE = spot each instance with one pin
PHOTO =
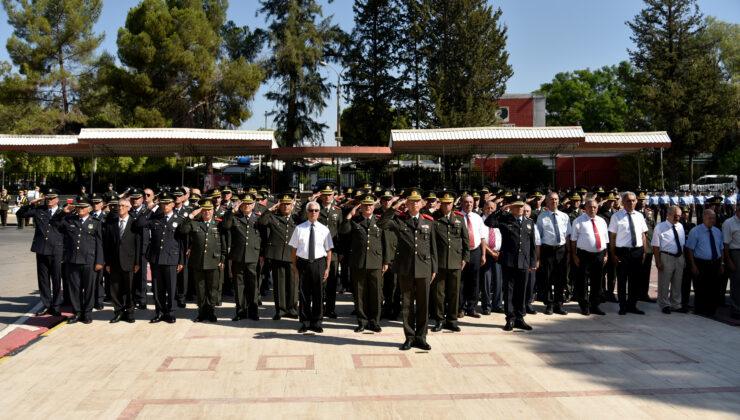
(52, 193)
(165, 198)
(715, 199)
(214, 193)
(327, 189)
(286, 197)
(431, 196)
(96, 198)
(386, 195)
(83, 201)
(640, 195)
(136, 193)
(178, 192)
(414, 194)
(195, 197)
(206, 204)
(515, 200)
(368, 199)
(446, 196)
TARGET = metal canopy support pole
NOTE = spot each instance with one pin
(639, 171)
(92, 167)
(182, 168)
(662, 177)
(574, 171)
(4, 163)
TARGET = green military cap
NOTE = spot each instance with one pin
(247, 198)
(112, 202)
(263, 189)
(476, 195)
(252, 190)
(51, 193)
(431, 196)
(446, 196)
(367, 186)
(599, 189)
(165, 198)
(640, 195)
(378, 189)
(286, 197)
(349, 191)
(484, 191)
(368, 199)
(96, 198)
(608, 196)
(414, 194)
(515, 200)
(195, 197)
(386, 195)
(206, 204)
(574, 196)
(327, 189)
(715, 199)
(359, 194)
(582, 190)
(227, 190)
(685, 209)
(507, 194)
(83, 201)
(214, 193)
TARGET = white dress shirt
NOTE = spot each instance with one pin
(731, 232)
(546, 227)
(664, 239)
(620, 225)
(321, 239)
(480, 230)
(582, 233)
(495, 235)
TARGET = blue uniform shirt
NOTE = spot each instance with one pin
(699, 242)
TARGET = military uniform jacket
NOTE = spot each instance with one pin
(452, 240)
(279, 230)
(605, 213)
(4, 202)
(518, 249)
(207, 242)
(366, 242)
(166, 246)
(245, 235)
(47, 240)
(416, 253)
(83, 241)
(650, 221)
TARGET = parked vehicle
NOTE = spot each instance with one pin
(713, 183)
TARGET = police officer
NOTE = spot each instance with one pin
(453, 253)
(47, 244)
(136, 197)
(207, 252)
(122, 249)
(166, 254)
(366, 262)
(98, 213)
(83, 256)
(280, 223)
(183, 210)
(245, 254)
(415, 264)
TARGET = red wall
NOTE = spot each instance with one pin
(521, 111)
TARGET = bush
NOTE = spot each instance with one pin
(528, 173)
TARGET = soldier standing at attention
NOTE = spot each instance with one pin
(83, 256)
(415, 264)
(102, 289)
(453, 253)
(280, 226)
(207, 255)
(331, 217)
(366, 263)
(183, 210)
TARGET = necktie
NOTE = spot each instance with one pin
(311, 252)
(416, 222)
(557, 229)
(632, 230)
(51, 212)
(596, 235)
(491, 238)
(678, 242)
(714, 247)
(122, 227)
(471, 237)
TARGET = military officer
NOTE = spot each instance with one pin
(644, 278)
(245, 254)
(83, 256)
(391, 292)
(430, 203)
(122, 250)
(415, 264)
(4, 207)
(366, 262)
(606, 210)
(207, 250)
(183, 210)
(136, 197)
(166, 254)
(102, 289)
(453, 252)
(47, 244)
(280, 222)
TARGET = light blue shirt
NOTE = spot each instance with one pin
(654, 200)
(664, 199)
(699, 242)
(674, 200)
(699, 199)
(546, 228)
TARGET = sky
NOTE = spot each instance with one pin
(545, 37)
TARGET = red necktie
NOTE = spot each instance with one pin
(491, 238)
(470, 232)
(596, 234)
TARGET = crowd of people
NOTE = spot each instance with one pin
(430, 257)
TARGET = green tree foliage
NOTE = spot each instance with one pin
(727, 38)
(596, 100)
(354, 122)
(527, 173)
(413, 58)
(299, 38)
(679, 83)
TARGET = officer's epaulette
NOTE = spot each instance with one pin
(217, 219)
(401, 214)
(428, 217)
(378, 216)
(337, 207)
(257, 214)
(459, 213)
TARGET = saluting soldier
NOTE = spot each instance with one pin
(166, 255)
(366, 262)
(453, 253)
(280, 223)
(183, 210)
(47, 244)
(83, 256)
(245, 254)
(415, 264)
(391, 292)
(4, 207)
(207, 250)
(122, 249)
(102, 289)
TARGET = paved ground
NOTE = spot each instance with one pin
(630, 367)
(18, 284)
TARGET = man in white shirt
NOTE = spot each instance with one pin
(470, 278)
(554, 228)
(627, 245)
(588, 240)
(490, 272)
(312, 247)
(731, 237)
(668, 241)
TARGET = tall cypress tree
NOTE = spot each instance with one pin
(413, 59)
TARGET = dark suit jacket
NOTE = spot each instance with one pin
(166, 246)
(121, 252)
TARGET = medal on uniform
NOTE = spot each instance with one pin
(185, 214)
(90, 226)
(174, 224)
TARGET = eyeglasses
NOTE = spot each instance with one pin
(313, 211)
(148, 195)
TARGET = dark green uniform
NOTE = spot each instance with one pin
(207, 251)
(366, 265)
(452, 249)
(244, 252)
(285, 286)
(644, 283)
(415, 262)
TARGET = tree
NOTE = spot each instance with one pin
(727, 41)
(679, 83)
(596, 100)
(468, 63)
(414, 100)
(354, 124)
(298, 43)
(528, 173)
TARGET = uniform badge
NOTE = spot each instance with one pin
(174, 224)
(334, 216)
(185, 214)
(424, 228)
(90, 226)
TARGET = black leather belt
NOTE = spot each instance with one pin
(671, 254)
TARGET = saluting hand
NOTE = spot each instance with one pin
(137, 268)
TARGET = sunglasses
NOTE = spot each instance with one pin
(148, 195)
(313, 211)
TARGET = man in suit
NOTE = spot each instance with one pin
(518, 258)
(83, 256)
(47, 244)
(415, 264)
(166, 254)
(122, 249)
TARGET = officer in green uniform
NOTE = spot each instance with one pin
(4, 207)
(391, 292)
(606, 210)
(245, 253)
(430, 203)
(207, 255)
(574, 210)
(365, 262)
(415, 264)
(453, 253)
(644, 284)
(280, 223)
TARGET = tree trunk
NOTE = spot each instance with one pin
(77, 162)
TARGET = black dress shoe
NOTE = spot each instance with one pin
(236, 318)
(43, 312)
(332, 315)
(360, 329)
(302, 330)
(611, 298)
(497, 310)
(560, 311)
(548, 310)
(437, 327)
(422, 345)
(509, 326)
(169, 319)
(181, 304)
(666, 310)
(199, 318)
(129, 318)
(636, 311)
(485, 312)
(586, 311)
(115, 319)
(85, 320)
(406, 344)
(452, 327)
(55, 312)
(291, 316)
(157, 318)
(531, 311)
(375, 328)
(213, 318)
(74, 319)
(98, 306)
(317, 329)
(519, 323)
(596, 310)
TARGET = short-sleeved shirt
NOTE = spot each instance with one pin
(664, 238)
(582, 233)
(686, 200)
(620, 225)
(664, 199)
(653, 200)
(731, 232)
(480, 231)
(699, 242)
(546, 227)
(674, 200)
(300, 240)
(699, 199)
